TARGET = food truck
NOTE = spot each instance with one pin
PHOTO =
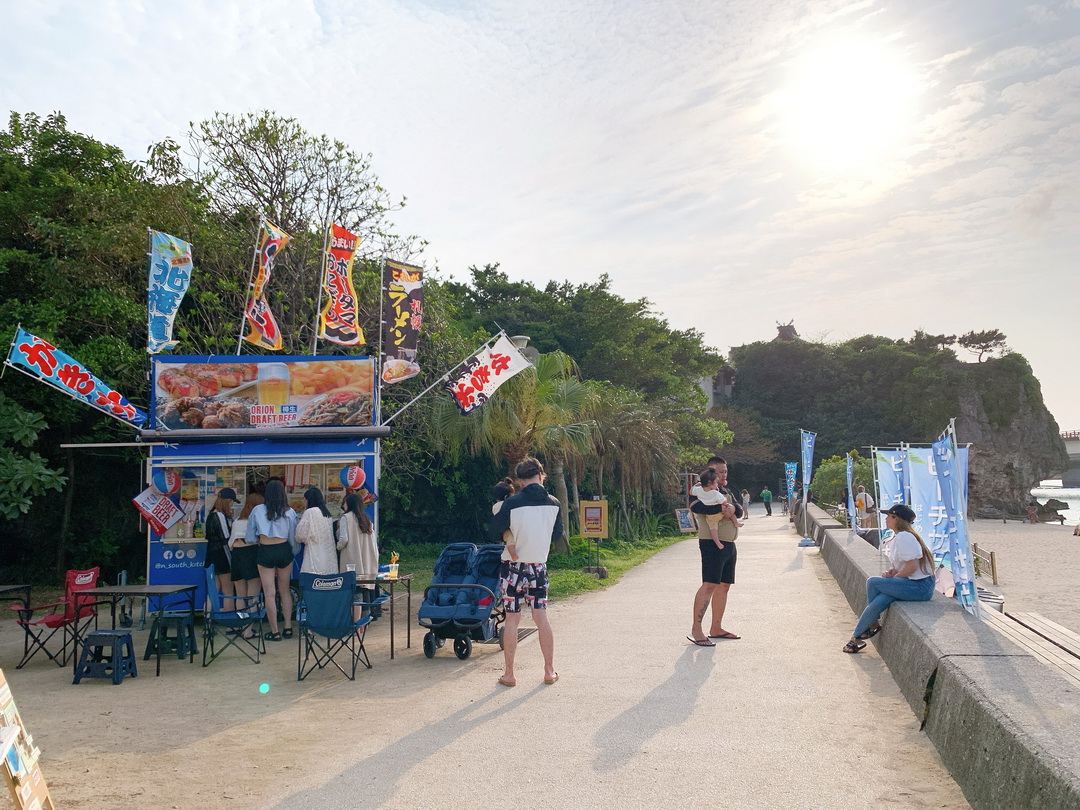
(236, 421)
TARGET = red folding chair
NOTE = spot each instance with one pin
(39, 631)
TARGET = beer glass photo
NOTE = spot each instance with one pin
(273, 384)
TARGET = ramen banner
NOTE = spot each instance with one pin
(403, 312)
(338, 321)
(265, 332)
(170, 274)
(222, 393)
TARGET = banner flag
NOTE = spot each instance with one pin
(483, 374)
(403, 313)
(265, 332)
(159, 510)
(806, 440)
(889, 464)
(170, 274)
(40, 359)
(790, 470)
(339, 321)
(853, 519)
(954, 499)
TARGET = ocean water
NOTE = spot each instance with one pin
(1071, 495)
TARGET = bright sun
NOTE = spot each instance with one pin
(847, 104)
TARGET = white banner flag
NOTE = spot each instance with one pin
(484, 372)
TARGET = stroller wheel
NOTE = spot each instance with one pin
(429, 644)
(463, 647)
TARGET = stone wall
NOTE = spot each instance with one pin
(1006, 725)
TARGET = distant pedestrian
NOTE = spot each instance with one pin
(910, 579)
(1033, 512)
(864, 506)
(746, 504)
(766, 498)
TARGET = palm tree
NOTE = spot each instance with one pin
(539, 411)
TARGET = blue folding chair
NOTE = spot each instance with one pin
(247, 612)
(325, 613)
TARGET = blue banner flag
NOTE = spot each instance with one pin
(170, 274)
(806, 440)
(952, 484)
(853, 519)
(39, 358)
(790, 468)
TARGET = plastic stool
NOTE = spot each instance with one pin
(181, 642)
(107, 654)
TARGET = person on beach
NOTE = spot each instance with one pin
(218, 526)
(766, 498)
(864, 506)
(316, 531)
(717, 531)
(910, 579)
(1033, 512)
(533, 518)
(272, 525)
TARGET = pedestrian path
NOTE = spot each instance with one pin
(640, 717)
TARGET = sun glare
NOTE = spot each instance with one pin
(847, 104)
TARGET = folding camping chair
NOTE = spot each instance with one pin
(249, 611)
(326, 612)
(39, 631)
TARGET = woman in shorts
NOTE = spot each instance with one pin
(272, 525)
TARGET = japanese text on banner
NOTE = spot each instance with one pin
(170, 274)
(338, 321)
(484, 373)
(265, 332)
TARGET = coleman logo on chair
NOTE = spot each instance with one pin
(327, 584)
(82, 579)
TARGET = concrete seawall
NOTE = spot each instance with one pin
(1006, 726)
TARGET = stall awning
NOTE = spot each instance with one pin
(265, 451)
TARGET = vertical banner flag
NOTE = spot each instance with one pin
(264, 329)
(806, 440)
(403, 312)
(790, 469)
(931, 521)
(952, 487)
(339, 321)
(170, 274)
(38, 358)
(853, 519)
(888, 464)
(484, 372)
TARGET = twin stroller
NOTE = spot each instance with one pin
(463, 601)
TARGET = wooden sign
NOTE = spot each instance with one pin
(21, 770)
(594, 515)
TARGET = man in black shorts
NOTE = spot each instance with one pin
(718, 556)
(533, 519)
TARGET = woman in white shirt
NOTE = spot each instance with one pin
(356, 544)
(910, 579)
(273, 526)
(316, 532)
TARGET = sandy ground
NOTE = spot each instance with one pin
(1038, 567)
(640, 718)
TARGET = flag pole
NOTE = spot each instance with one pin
(250, 286)
(322, 285)
(62, 390)
(15, 337)
(443, 378)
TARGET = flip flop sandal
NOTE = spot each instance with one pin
(286, 633)
(873, 631)
(701, 642)
(854, 646)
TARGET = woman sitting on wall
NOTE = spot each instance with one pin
(910, 579)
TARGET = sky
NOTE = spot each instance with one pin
(854, 167)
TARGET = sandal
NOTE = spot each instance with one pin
(873, 631)
(277, 637)
(286, 633)
(854, 646)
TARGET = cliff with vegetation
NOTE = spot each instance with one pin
(876, 391)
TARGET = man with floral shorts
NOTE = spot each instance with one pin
(533, 519)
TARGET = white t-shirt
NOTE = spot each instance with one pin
(709, 497)
(905, 546)
(863, 503)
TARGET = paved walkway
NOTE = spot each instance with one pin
(639, 718)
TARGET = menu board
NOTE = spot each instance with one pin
(229, 394)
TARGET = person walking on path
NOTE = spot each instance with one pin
(746, 504)
(864, 506)
(910, 579)
(766, 498)
(717, 532)
(533, 519)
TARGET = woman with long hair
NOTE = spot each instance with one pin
(316, 531)
(218, 526)
(356, 545)
(245, 569)
(272, 525)
(910, 579)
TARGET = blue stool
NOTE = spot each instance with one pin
(182, 642)
(107, 654)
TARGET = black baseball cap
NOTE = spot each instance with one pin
(228, 492)
(902, 511)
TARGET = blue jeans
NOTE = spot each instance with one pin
(883, 591)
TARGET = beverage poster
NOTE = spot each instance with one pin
(230, 394)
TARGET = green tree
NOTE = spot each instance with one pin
(983, 343)
(23, 475)
(830, 478)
